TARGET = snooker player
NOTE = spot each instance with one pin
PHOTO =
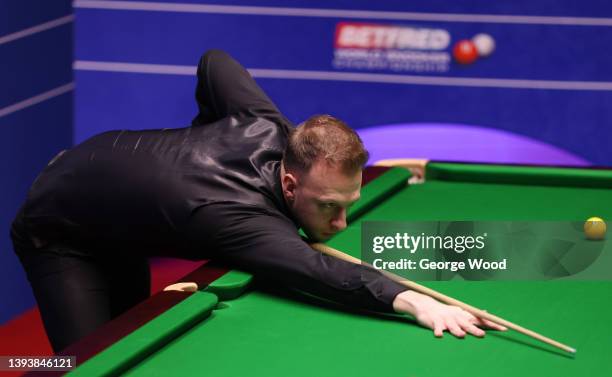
(235, 186)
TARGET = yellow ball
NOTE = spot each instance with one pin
(595, 228)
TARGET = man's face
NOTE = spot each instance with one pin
(320, 198)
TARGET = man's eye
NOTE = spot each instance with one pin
(329, 205)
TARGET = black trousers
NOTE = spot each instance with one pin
(76, 292)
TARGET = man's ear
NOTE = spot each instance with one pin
(289, 183)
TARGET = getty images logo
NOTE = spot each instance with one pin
(414, 243)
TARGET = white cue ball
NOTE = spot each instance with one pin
(485, 44)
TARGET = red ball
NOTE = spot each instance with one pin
(465, 52)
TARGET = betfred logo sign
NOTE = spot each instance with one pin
(379, 47)
(376, 36)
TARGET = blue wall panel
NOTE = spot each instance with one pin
(539, 52)
(134, 101)
(36, 64)
(16, 15)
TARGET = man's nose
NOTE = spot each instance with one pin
(339, 221)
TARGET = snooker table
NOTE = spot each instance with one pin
(234, 328)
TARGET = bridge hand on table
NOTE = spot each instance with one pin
(441, 317)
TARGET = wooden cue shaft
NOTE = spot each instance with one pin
(444, 298)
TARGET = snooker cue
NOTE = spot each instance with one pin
(443, 298)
